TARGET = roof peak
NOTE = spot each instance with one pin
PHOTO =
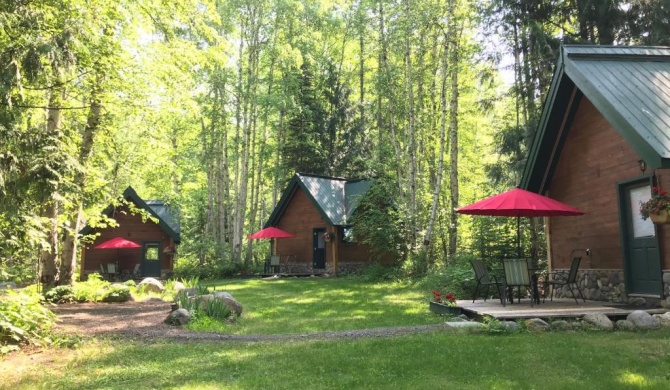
(303, 174)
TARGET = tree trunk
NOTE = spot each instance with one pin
(440, 164)
(455, 33)
(409, 79)
(71, 243)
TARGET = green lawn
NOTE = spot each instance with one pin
(307, 305)
(428, 361)
(439, 360)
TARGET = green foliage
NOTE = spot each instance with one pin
(378, 222)
(186, 268)
(116, 293)
(376, 272)
(60, 294)
(456, 277)
(23, 320)
(91, 290)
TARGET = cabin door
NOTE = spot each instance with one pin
(151, 259)
(319, 249)
(642, 261)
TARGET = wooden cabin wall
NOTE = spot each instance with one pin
(131, 228)
(300, 218)
(594, 158)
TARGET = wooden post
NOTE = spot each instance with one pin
(336, 246)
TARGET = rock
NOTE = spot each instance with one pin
(643, 320)
(456, 319)
(509, 325)
(152, 300)
(600, 320)
(190, 292)
(233, 306)
(223, 294)
(624, 325)
(560, 325)
(637, 301)
(464, 317)
(666, 277)
(8, 285)
(151, 285)
(464, 324)
(178, 317)
(178, 286)
(663, 319)
(536, 325)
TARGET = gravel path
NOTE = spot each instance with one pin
(144, 320)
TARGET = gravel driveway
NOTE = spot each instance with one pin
(144, 320)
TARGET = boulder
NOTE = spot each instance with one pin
(178, 317)
(510, 326)
(223, 294)
(537, 325)
(643, 320)
(189, 292)
(600, 320)
(232, 305)
(8, 285)
(560, 325)
(456, 319)
(663, 319)
(179, 286)
(151, 285)
(624, 325)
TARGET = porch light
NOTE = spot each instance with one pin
(642, 164)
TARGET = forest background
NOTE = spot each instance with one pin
(213, 105)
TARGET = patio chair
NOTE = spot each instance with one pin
(517, 275)
(562, 278)
(485, 279)
(136, 271)
(275, 261)
(112, 270)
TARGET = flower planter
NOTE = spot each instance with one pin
(439, 308)
(663, 217)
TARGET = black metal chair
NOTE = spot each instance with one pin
(562, 278)
(485, 279)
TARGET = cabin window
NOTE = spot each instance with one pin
(347, 234)
(151, 252)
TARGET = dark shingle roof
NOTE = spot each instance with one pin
(335, 198)
(630, 87)
(167, 221)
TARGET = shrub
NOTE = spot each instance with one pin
(130, 283)
(116, 293)
(92, 290)
(23, 320)
(60, 294)
(376, 272)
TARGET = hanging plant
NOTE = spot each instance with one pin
(327, 236)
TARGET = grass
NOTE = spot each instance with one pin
(443, 359)
(308, 305)
(593, 360)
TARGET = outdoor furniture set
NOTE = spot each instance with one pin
(520, 273)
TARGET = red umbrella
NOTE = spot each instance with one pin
(271, 232)
(117, 243)
(519, 203)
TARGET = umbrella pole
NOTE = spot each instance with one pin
(518, 236)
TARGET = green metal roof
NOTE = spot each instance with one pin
(159, 210)
(630, 87)
(335, 198)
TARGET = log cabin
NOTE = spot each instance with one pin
(602, 144)
(155, 229)
(318, 210)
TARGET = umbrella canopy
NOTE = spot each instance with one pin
(271, 232)
(117, 243)
(519, 203)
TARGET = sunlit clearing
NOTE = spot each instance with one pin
(629, 378)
